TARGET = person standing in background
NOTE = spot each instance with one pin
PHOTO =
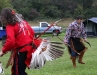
(75, 35)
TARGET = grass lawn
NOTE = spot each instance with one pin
(63, 65)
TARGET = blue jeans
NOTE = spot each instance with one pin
(74, 54)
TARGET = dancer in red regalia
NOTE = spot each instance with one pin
(20, 38)
(26, 51)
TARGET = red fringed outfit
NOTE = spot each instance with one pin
(17, 36)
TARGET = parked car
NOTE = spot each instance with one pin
(43, 26)
(54, 30)
(2, 31)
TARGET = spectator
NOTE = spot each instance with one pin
(73, 40)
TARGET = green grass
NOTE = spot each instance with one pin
(63, 65)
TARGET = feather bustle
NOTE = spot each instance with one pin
(47, 51)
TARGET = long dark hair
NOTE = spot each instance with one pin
(8, 17)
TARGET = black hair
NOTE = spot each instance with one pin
(8, 16)
(79, 17)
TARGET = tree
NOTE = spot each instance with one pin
(90, 13)
(5, 3)
(78, 11)
(31, 9)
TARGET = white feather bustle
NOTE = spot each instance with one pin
(46, 51)
(1, 69)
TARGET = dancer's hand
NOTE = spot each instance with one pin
(65, 43)
(85, 40)
(1, 53)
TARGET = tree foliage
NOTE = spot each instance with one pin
(5, 3)
(32, 9)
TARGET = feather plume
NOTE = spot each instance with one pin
(56, 42)
(1, 69)
(56, 46)
(47, 51)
